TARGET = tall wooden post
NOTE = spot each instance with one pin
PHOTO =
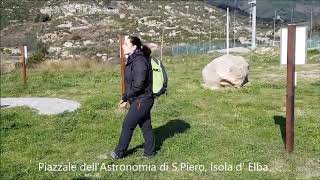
(23, 66)
(290, 87)
(122, 64)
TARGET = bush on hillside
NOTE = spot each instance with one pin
(40, 17)
(39, 55)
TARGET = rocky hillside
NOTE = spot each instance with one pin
(77, 28)
(298, 10)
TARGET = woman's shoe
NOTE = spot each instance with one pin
(149, 156)
(114, 155)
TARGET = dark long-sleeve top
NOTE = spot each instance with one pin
(138, 77)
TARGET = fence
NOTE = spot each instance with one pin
(205, 47)
(314, 43)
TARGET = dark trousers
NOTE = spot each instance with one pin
(139, 113)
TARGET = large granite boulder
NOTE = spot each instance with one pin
(226, 70)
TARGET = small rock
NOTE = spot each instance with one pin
(111, 41)
(65, 53)
(54, 50)
(80, 28)
(67, 44)
(88, 42)
(104, 58)
(122, 16)
(67, 24)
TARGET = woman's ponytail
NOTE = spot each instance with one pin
(145, 49)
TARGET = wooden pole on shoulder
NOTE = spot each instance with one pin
(122, 64)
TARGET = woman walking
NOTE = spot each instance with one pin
(138, 92)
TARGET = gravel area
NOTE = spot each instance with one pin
(44, 105)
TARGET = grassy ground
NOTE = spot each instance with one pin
(192, 125)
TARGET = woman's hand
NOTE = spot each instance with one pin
(123, 104)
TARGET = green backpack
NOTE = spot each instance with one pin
(160, 78)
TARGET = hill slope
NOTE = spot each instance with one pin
(79, 28)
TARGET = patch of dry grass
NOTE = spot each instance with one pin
(72, 65)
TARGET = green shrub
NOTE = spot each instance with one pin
(40, 17)
(36, 58)
(39, 55)
(313, 52)
(75, 37)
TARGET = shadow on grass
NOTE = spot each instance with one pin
(164, 132)
(281, 121)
